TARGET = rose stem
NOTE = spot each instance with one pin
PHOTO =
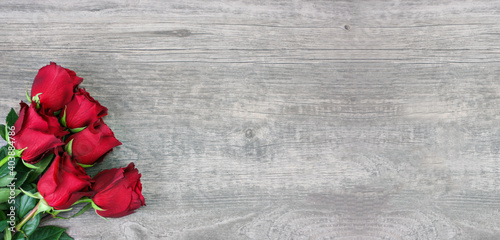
(28, 217)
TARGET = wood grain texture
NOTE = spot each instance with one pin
(282, 119)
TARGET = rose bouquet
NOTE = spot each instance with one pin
(55, 136)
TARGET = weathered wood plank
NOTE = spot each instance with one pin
(283, 119)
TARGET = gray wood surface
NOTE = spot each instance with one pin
(282, 119)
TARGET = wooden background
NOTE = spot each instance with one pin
(279, 119)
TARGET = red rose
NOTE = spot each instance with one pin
(93, 143)
(54, 86)
(83, 110)
(118, 191)
(36, 132)
(64, 183)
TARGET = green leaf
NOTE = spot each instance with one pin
(21, 167)
(19, 236)
(29, 187)
(65, 236)
(11, 118)
(8, 235)
(4, 170)
(21, 177)
(47, 233)
(4, 150)
(6, 180)
(3, 216)
(22, 173)
(4, 206)
(38, 168)
(31, 225)
(5, 194)
(3, 225)
(24, 204)
(3, 131)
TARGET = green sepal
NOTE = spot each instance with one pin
(27, 94)
(63, 118)
(69, 147)
(43, 206)
(96, 207)
(101, 216)
(77, 130)
(36, 195)
(55, 212)
(36, 99)
(88, 200)
(29, 165)
(85, 165)
(18, 152)
(84, 209)
(82, 200)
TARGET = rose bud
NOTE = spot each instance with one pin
(82, 111)
(53, 87)
(37, 132)
(118, 191)
(64, 183)
(91, 145)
